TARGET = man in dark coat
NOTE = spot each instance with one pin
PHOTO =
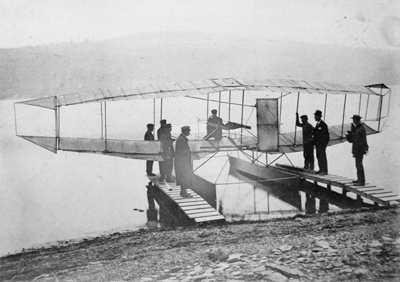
(183, 162)
(359, 148)
(213, 126)
(148, 136)
(160, 132)
(321, 140)
(308, 141)
(168, 154)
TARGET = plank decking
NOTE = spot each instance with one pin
(196, 208)
(376, 194)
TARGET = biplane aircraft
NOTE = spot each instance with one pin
(259, 115)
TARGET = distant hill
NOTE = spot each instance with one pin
(37, 71)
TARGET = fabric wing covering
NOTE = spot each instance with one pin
(195, 88)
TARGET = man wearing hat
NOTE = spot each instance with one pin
(160, 132)
(213, 126)
(168, 154)
(308, 141)
(163, 122)
(359, 148)
(148, 136)
(321, 140)
(183, 162)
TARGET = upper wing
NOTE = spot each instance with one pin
(195, 88)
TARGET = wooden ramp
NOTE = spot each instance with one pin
(196, 208)
(376, 194)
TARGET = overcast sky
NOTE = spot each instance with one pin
(357, 23)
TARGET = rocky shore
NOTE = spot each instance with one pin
(362, 245)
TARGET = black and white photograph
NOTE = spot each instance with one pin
(188, 141)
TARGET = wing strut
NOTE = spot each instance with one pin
(344, 110)
(295, 124)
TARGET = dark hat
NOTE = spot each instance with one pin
(318, 113)
(168, 125)
(213, 110)
(356, 117)
(185, 128)
(304, 117)
(163, 121)
(150, 125)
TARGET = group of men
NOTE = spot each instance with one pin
(181, 155)
(318, 136)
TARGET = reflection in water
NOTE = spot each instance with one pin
(252, 198)
(167, 216)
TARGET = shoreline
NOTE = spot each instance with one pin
(353, 245)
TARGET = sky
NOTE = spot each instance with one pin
(356, 23)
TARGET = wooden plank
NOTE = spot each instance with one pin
(180, 197)
(387, 196)
(193, 207)
(186, 200)
(390, 199)
(380, 193)
(205, 214)
(359, 187)
(209, 218)
(367, 190)
(198, 211)
(192, 204)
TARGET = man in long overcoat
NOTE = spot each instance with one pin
(321, 140)
(359, 148)
(183, 162)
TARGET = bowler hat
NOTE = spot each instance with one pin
(304, 117)
(318, 113)
(185, 128)
(163, 121)
(213, 110)
(356, 117)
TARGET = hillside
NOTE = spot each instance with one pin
(36, 71)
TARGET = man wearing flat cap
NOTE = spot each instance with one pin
(213, 126)
(321, 140)
(308, 141)
(358, 137)
(183, 162)
(168, 154)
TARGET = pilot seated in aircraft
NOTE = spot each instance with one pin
(168, 154)
(308, 141)
(214, 130)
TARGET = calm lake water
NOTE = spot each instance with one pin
(46, 197)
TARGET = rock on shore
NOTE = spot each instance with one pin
(345, 246)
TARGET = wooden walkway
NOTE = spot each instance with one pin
(196, 208)
(376, 194)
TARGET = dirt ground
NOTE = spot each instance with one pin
(361, 245)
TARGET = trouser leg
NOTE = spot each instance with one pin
(360, 168)
(169, 164)
(162, 170)
(322, 161)
(149, 167)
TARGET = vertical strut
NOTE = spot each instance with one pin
(295, 124)
(344, 110)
